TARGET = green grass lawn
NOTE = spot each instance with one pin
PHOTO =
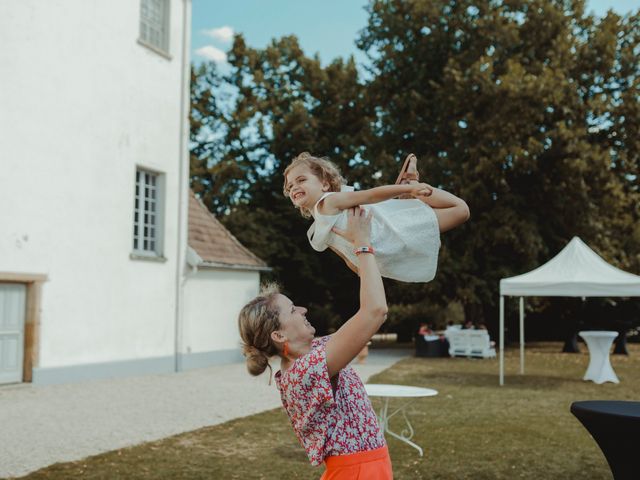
(473, 429)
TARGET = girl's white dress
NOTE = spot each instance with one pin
(404, 234)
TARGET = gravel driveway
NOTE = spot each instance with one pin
(42, 425)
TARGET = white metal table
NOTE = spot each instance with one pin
(599, 344)
(386, 392)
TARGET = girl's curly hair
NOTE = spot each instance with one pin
(322, 168)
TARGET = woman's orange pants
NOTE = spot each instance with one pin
(370, 465)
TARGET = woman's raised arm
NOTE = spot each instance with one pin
(352, 337)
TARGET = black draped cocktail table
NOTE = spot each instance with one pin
(615, 426)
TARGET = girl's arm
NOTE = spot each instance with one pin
(333, 204)
(352, 337)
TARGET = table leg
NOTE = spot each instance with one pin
(600, 369)
(407, 432)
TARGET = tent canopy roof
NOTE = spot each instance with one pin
(577, 271)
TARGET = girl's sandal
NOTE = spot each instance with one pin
(409, 176)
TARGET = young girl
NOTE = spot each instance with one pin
(405, 231)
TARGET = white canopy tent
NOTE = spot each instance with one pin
(577, 271)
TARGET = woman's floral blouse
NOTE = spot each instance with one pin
(326, 421)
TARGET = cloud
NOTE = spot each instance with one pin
(212, 53)
(222, 34)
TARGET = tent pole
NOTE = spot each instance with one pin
(521, 335)
(501, 340)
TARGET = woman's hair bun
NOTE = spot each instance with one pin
(257, 360)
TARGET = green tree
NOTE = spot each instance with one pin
(282, 103)
(526, 109)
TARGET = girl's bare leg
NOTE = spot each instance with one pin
(450, 210)
(353, 268)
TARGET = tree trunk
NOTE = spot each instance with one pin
(571, 344)
(621, 343)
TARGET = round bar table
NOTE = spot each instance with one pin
(615, 426)
(398, 391)
(599, 344)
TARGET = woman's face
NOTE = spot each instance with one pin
(293, 322)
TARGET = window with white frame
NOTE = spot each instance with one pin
(147, 216)
(154, 23)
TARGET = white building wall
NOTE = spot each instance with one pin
(212, 301)
(82, 103)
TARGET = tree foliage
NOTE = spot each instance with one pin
(527, 109)
(283, 103)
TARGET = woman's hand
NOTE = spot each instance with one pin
(358, 230)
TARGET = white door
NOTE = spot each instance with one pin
(12, 309)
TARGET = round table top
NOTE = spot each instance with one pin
(385, 390)
(598, 333)
(617, 408)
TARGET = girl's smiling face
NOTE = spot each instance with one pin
(305, 188)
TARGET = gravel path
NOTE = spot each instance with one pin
(42, 425)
